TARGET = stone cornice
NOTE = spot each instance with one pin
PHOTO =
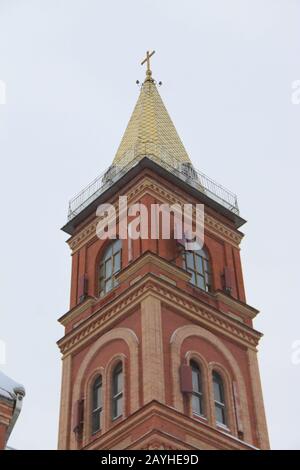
(245, 310)
(151, 258)
(74, 312)
(150, 186)
(189, 427)
(202, 313)
(147, 258)
(191, 308)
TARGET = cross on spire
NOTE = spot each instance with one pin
(147, 60)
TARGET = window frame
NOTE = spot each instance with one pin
(201, 268)
(99, 409)
(198, 394)
(221, 405)
(113, 250)
(115, 395)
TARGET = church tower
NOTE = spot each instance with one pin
(159, 349)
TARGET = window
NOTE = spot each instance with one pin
(96, 404)
(117, 391)
(110, 265)
(197, 264)
(219, 398)
(197, 396)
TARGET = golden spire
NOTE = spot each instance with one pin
(150, 131)
(148, 70)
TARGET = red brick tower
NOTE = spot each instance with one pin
(159, 350)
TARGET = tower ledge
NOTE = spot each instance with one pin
(193, 181)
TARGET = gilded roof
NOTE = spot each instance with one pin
(151, 131)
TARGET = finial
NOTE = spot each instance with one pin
(148, 70)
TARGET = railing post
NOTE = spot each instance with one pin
(92, 191)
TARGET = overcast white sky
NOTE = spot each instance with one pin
(70, 68)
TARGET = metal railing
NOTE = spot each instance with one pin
(185, 171)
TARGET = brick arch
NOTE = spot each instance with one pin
(176, 341)
(132, 342)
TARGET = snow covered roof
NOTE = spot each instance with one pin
(9, 388)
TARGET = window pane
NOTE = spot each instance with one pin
(193, 279)
(208, 282)
(118, 382)
(97, 381)
(207, 277)
(108, 253)
(199, 264)
(117, 389)
(119, 406)
(96, 397)
(97, 393)
(200, 282)
(218, 388)
(108, 285)
(108, 268)
(196, 404)
(117, 245)
(96, 421)
(195, 379)
(217, 392)
(99, 396)
(118, 379)
(111, 263)
(189, 258)
(117, 262)
(102, 270)
(114, 409)
(206, 265)
(220, 414)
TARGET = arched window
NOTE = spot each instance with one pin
(219, 399)
(117, 391)
(97, 404)
(197, 395)
(198, 265)
(110, 265)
